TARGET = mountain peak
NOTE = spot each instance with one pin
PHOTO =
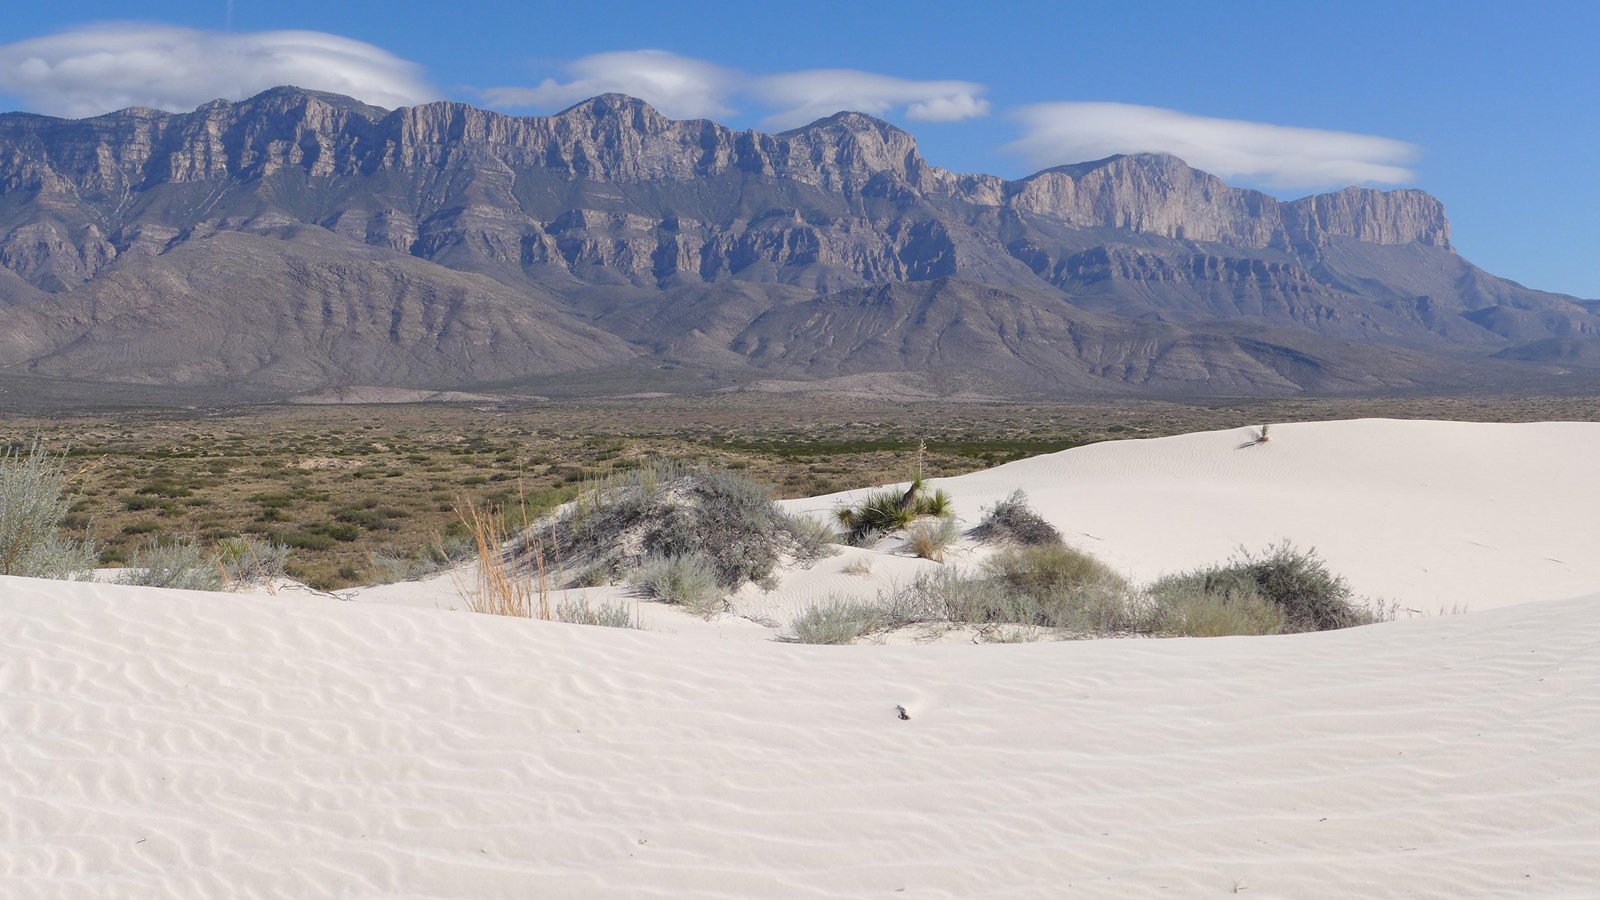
(852, 122)
(613, 104)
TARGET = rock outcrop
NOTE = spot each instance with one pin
(609, 204)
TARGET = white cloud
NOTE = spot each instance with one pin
(801, 97)
(678, 86)
(683, 87)
(1277, 156)
(100, 68)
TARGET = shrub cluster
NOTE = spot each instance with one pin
(186, 565)
(1024, 591)
(1013, 521)
(668, 512)
(607, 615)
(179, 563)
(835, 620)
(1282, 590)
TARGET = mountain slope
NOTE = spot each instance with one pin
(298, 240)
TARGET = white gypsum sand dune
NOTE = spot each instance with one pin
(170, 743)
(163, 743)
(1432, 515)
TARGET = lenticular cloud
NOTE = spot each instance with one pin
(679, 86)
(94, 70)
(684, 87)
(1275, 155)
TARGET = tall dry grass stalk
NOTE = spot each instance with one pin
(505, 585)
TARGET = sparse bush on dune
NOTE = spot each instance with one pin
(607, 615)
(836, 620)
(1282, 590)
(388, 566)
(249, 560)
(930, 539)
(688, 580)
(1012, 521)
(814, 539)
(666, 510)
(33, 503)
(858, 566)
(1199, 604)
(1024, 593)
(180, 563)
(1044, 569)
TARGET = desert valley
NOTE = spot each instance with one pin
(405, 496)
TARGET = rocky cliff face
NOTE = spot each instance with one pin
(610, 202)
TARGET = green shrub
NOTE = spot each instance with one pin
(608, 615)
(180, 564)
(1212, 603)
(1012, 521)
(835, 620)
(880, 511)
(688, 580)
(1043, 569)
(388, 566)
(247, 559)
(813, 539)
(889, 509)
(1312, 598)
(33, 503)
(1296, 582)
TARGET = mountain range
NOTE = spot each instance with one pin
(299, 241)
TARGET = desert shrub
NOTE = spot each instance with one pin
(1212, 603)
(1312, 598)
(1043, 569)
(889, 509)
(929, 540)
(1297, 582)
(835, 620)
(667, 510)
(1012, 521)
(247, 559)
(946, 595)
(595, 576)
(607, 615)
(880, 511)
(33, 503)
(388, 566)
(858, 566)
(813, 539)
(179, 563)
(688, 580)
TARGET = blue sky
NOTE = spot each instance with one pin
(1492, 107)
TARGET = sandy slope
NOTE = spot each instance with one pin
(1434, 515)
(157, 743)
(210, 746)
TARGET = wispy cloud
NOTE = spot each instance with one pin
(1277, 156)
(679, 86)
(805, 96)
(99, 68)
(684, 87)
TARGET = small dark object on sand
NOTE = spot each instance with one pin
(903, 714)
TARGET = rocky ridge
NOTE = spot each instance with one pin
(596, 213)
